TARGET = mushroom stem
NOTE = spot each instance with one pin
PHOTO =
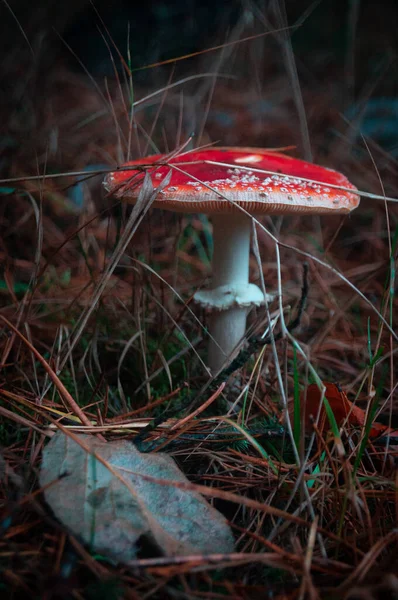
(227, 328)
(231, 240)
(231, 295)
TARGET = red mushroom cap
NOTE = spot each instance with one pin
(241, 175)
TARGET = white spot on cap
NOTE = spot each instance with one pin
(249, 158)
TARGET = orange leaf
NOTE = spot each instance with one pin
(342, 408)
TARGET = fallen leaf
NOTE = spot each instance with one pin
(104, 494)
(342, 408)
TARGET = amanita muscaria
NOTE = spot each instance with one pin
(218, 181)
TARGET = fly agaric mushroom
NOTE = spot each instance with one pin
(217, 181)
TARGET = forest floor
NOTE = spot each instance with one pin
(112, 334)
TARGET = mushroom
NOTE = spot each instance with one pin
(218, 181)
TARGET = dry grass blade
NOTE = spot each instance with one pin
(65, 395)
(145, 199)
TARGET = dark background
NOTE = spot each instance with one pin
(338, 59)
(160, 30)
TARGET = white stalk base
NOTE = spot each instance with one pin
(227, 329)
